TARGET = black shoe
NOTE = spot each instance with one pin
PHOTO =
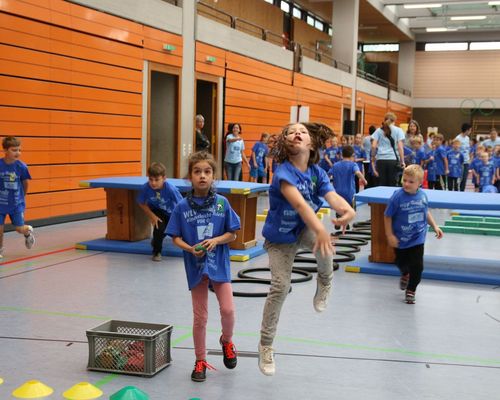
(335, 266)
(199, 373)
(230, 354)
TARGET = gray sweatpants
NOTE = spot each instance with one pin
(281, 257)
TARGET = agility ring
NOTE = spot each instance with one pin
(356, 241)
(244, 273)
(344, 257)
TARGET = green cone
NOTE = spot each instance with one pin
(129, 393)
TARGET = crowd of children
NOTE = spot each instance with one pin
(305, 160)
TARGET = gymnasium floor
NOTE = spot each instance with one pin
(368, 344)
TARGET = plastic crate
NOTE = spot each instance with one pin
(129, 347)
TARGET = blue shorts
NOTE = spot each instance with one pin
(257, 172)
(16, 218)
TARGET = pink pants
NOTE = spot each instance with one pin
(199, 296)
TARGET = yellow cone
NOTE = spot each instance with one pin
(32, 390)
(82, 391)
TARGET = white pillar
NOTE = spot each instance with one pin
(345, 21)
(406, 65)
(187, 83)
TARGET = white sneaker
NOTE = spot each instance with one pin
(266, 360)
(320, 300)
(29, 240)
(156, 257)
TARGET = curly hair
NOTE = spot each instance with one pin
(319, 133)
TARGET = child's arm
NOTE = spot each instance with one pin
(361, 177)
(254, 161)
(244, 157)
(328, 161)
(391, 238)
(446, 170)
(151, 215)
(25, 186)
(186, 247)
(437, 229)
(294, 197)
(341, 207)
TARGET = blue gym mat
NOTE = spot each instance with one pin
(477, 213)
(443, 268)
(144, 247)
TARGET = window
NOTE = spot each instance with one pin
(269, 1)
(380, 47)
(297, 12)
(318, 25)
(310, 20)
(330, 31)
(484, 46)
(285, 6)
(457, 46)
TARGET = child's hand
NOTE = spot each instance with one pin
(342, 222)
(439, 232)
(209, 244)
(393, 241)
(323, 244)
(365, 182)
(154, 221)
(198, 250)
(447, 172)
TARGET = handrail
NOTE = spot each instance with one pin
(298, 49)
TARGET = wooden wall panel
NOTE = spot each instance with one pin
(457, 74)
(71, 81)
(203, 53)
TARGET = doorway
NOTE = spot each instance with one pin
(206, 105)
(163, 118)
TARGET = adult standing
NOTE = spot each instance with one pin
(387, 151)
(202, 140)
(235, 154)
(413, 131)
(463, 137)
(492, 141)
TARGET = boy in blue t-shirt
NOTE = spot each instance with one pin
(258, 160)
(455, 165)
(343, 174)
(158, 199)
(484, 171)
(441, 162)
(405, 221)
(14, 177)
(430, 166)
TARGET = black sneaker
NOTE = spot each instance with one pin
(230, 354)
(199, 373)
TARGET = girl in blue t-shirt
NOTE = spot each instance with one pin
(291, 223)
(202, 225)
(405, 221)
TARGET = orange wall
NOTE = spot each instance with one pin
(71, 89)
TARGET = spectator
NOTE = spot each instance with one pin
(202, 141)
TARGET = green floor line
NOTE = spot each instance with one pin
(57, 313)
(289, 339)
(105, 380)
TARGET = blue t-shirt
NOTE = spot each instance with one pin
(409, 155)
(164, 199)
(359, 153)
(11, 186)
(476, 162)
(439, 156)
(261, 151)
(385, 151)
(343, 174)
(193, 227)
(431, 167)
(409, 217)
(283, 223)
(455, 163)
(485, 172)
(233, 150)
(367, 146)
(419, 155)
(332, 153)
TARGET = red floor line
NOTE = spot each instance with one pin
(36, 256)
